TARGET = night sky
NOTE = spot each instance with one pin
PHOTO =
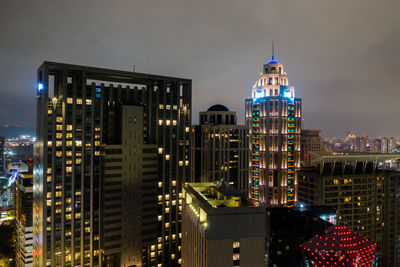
(343, 57)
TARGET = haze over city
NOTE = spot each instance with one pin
(342, 56)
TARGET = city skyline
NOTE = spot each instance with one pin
(340, 69)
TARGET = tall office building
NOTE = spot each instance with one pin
(274, 117)
(2, 155)
(311, 146)
(82, 113)
(221, 227)
(221, 148)
(365, 197)
(23, 217)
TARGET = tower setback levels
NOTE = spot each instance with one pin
(273, 115)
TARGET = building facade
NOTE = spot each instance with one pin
(365, 197)
(311, 146)
(221, 148)
(273, 115)
(220, 227)
(79, 115)
(24, 218)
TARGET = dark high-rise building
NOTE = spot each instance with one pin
(2, 156)
(311, 146)
(274, 117)
(365, 197)
(221, 148)
(94, 156)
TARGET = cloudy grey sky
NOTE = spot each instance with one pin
(343, 56)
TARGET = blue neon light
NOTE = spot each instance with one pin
(12, 178)
(259, 94)
(40, 87)
(287, 94)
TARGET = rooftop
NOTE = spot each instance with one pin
(218, 107)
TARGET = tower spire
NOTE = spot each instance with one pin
(273, 50)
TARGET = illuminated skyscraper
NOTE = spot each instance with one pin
(274, 117)
(108, 149)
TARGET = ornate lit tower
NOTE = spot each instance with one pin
(274, 117)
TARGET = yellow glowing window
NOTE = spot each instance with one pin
(77, 215)
(78, 161)
(49, 178)
(173, 183)
(69, 100)
(180, 163)
(167, 197)
(166, 225)
(180, 208)
(49, 112)
(59, 119)
(160, 122)
(69, 162)
(68, 233)
(159, 197)
(180, 235)
(68, 209)
(174, 122)
(59, 127)
(79, 100)
(78, 143)
(59, 153)
(179, 261)
(58, 193)
(166, 210)
(159, 218)
(88, 101)
(48, 229)
(153, 247)
(87, 229)
(168, 122)
(58, 210)
(97, 143)
(97, 153)
(173, 202)
(68, 169)
(186, 162)
(48, 202)
(187, 129)
(152, 254)
(159, 246)
(168, 106)
(167, 157)
(69, 135)
(336, 181)
(97, 136)
(68, 216)
(161, 106)
(88, 144)
(59, 135)
(347, 199)
(69, 127)
(58, 143)
(48, 170)
(69, 153)
(180, 201)
(160, 150)
(78, 193)
(172, 256)
(159, 184)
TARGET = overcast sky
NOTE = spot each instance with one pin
(342, 56)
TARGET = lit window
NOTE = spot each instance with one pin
(59, 119)
(58, 193)
(175, 107)
(160, 150)
(153, 247)
(97, 129)
(59, 127)
(161, 106)
(160, 122)
(167, 157)
(97, 153)
(49, 178)
(68, 169)
(174, 122)
(159, 217)
(88, 101)
(159, 197)
(172, 256)
(166, 210)
(97, 143)
(168, 122)
(79, 100)
(78, 143)
(187, 129)
(58, 143)
(168, 106)
(173, 183)
(69, 135)
(159, 184)
(186, 162)
(69, 100)
(78, 161)
(69, 143)
(69, 127)
(59, 153)
(166, 225)
(77, 215)
(180, 163)
(49, 112)
(167, 197)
